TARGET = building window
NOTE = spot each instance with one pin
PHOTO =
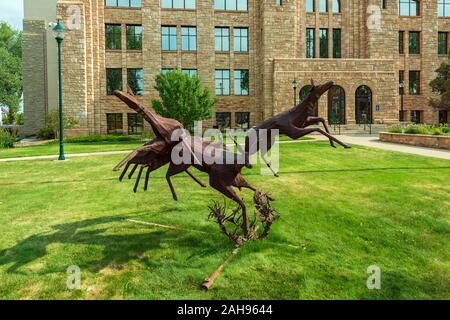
(279, 3)
(222, 39)
(135, 124)
(113, 80)
(310, 43)
(123, 3)
(134, 37)
(414, 82)
(336, 6)
(408, 7)
(241, 82)
(304, 92)
(136, 81)
(113, 36)
(223, 120)
(190, 72)
(168, 38)
(240, 39)
(309, 6)
(324, 43)
(444, 8)
(337, 43)
(178, 4)
(414, 42)
(401, 41)
(243, 120)
(114, 124)
(189, 38)
(234, 5)
(323, 5)
(336, 105)
(416, 117)
(401, 79)
(443, 116)
(222, 82)
(383, 4)
(442, 43)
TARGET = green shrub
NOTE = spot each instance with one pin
(51, 128)
(417, 129)
(103, 138)
(7, 139)
(396, 129)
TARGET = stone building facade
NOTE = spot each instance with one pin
(367, 47)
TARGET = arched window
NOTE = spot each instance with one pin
(408, 7)
(336, 105)
(323, 5)
(309, 6)
(303, 94)
(363, 105)
(336, 6)
(444, 8)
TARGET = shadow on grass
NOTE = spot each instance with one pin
(117, 249)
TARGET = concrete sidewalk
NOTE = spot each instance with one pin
(367, 141)
(374, 142)
(55, 157)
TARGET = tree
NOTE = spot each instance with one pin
(10, 70)
(51, 128)
(441, 86)
(183, 98)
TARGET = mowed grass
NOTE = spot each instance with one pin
(341, 212)
(69, 148)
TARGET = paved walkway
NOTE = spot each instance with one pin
(367, 141)
(75, 155)
(374, 142)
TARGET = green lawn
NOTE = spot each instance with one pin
(341, 212)
(53, 148)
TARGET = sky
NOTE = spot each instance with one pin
(11, 11)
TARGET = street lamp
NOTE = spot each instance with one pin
(58, 32)
(402, 92)
(294, 85)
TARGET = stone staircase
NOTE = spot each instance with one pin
(356, 129)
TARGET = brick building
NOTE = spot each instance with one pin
(248, 51)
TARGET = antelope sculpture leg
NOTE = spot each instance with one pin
(312, 121)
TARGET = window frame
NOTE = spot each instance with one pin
(223, 39)
(227, 115)
(337, 46)
(240, 39)
(173, 7)
(220, 78)
(130, 2)
(239, 123)
(170, 36)
(117, 121)
(239, 78)
(446, 52)
(136, 37)
(138, 79)
(411, 83)
(323, 44)
(410, 4)
(189, 37)
(227, 3)
(116, 33)
(445, 8)
(109, 89)
(310, 43)
(410, 44)
(135, 123)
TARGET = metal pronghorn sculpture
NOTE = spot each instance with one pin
(292, 123)
(223, 174)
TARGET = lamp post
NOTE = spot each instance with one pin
(294, 85)
(402, 92)
(58, 32)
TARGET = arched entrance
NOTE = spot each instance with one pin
(363, 114)
(303, 94)
(336, 105)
